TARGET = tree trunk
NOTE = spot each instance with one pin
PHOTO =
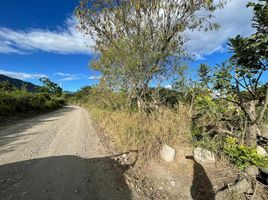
(251, 135)
(252, 129)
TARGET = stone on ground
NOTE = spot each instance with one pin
(241, 186)
(234, 191)
(261, 151)
(168, 153)
(204, 156)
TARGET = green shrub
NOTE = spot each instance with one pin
(243, 156)
(60, 101)
(5, 110)
(20, 101)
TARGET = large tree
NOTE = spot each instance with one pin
(141, 41)
(243, 78)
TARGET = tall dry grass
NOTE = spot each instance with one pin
(143, 131)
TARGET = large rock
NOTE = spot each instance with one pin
(204, 156)
(167, 153)
(261, 151)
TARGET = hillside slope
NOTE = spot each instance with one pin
(19, 83)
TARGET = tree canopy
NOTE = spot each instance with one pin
(243, 72)
(140, 42)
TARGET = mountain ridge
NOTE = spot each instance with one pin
(19, 83)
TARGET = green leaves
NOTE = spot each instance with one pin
(243, 156)
(141, 41)
(203, 72)
(50, 87)
(243, 72)
(246, 55)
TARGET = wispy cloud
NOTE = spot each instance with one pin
(22, 75)
(7, 48)
(93, 77)
(63, 41)
(61, 74)
(72, 77)
(234, 18)
(68, 76)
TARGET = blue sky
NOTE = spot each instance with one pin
(39, 38)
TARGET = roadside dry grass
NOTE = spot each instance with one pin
(141, 131)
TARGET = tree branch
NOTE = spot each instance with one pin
(258, 79)
(264, 106)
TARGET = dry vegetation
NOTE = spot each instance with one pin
(140, 131)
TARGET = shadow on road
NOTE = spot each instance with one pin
(63, 178)
(202, 188)
(13, 131)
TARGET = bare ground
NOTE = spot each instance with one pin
(58, 156)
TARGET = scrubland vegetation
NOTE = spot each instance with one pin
(204, 121)
(19, 101)
(139, 47)
(131, 129)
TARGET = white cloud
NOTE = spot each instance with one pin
(168, 86)
(93, 77)
(69, 77)
(5, 47)
(22, 75)
(61, 74)
(72, 77)
(234, 18)
(63, 41)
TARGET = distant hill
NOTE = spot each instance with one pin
(68, 92)
(19, 83)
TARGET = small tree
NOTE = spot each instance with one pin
(50, 87)
(239, 80)
(141, 41)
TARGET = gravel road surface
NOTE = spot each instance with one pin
(58, 156)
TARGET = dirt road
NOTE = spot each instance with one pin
(57, 156)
